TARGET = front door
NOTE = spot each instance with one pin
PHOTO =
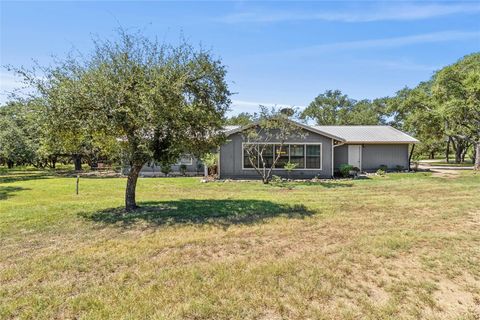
(355, 155)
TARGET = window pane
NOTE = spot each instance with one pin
(267, 153)
(313, 150)
(250, 153)
(297, 155)
(313, 157)
(283, 152)
(313, 162)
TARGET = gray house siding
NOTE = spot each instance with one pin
(340, 155)
(196, 168)
(231, 157)
(391, 155)
(375, 155)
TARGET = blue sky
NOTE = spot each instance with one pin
(282, 53)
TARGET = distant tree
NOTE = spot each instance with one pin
(270, 125)
(414, 111)
(444, 110)
(335, 108)
(329, 108)
(241, 119)
(158, 100)
(456, 90)
(15, 148)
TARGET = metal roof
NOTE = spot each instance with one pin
(368, 134)
(350, 134)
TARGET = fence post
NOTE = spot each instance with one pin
(78, 180)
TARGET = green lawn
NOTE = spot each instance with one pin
(401, 246)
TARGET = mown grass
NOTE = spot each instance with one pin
(401, 246)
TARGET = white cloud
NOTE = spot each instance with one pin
(391, 12)
(387, 42)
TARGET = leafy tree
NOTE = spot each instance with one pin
(335, 108)
(456, 90)
(14, 145)
(414, 111)
(158, 100)
(270, 125)
(210, 160)
(241, 119)
(329, 108)
(443, 110)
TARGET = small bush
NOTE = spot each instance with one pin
(289, 167)
(183, 169)
(276, 179)
(399, 168)
(210, 160)
(165, 168)
(381, 172)
(383, 167)
(345, 170)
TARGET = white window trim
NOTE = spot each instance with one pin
(285, 144)
(179, 163)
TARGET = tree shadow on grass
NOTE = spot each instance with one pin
(8, 191)
(24, 176)
(223, 213)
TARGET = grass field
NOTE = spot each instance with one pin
(451, 164)
(401, 246)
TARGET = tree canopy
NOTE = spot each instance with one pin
(443, 110)
(335, 108)
(156, 100)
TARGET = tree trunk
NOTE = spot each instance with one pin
(77, 161)
(447, 155)
(432, 155)
(477, 156)
(410, 157)
(9, 164)
(458, 153)
(464, 153)
(130, 203)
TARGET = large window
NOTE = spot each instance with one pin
(283, 155)
(250, 153)
(313, 159)
(305, 156)
(297, 155)
(266, 151)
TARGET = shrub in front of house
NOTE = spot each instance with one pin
(345, 170)
(165, 168)
(383, 167)
(381, 172)
(183, 169)
(399, 168)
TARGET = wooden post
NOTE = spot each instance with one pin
(78, 180)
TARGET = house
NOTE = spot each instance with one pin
(320, 151)
(192, 165)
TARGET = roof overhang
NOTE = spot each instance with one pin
(301, 125)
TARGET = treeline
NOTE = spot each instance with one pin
(443, 112)
(29, 135)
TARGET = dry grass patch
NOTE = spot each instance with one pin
(403, 246)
